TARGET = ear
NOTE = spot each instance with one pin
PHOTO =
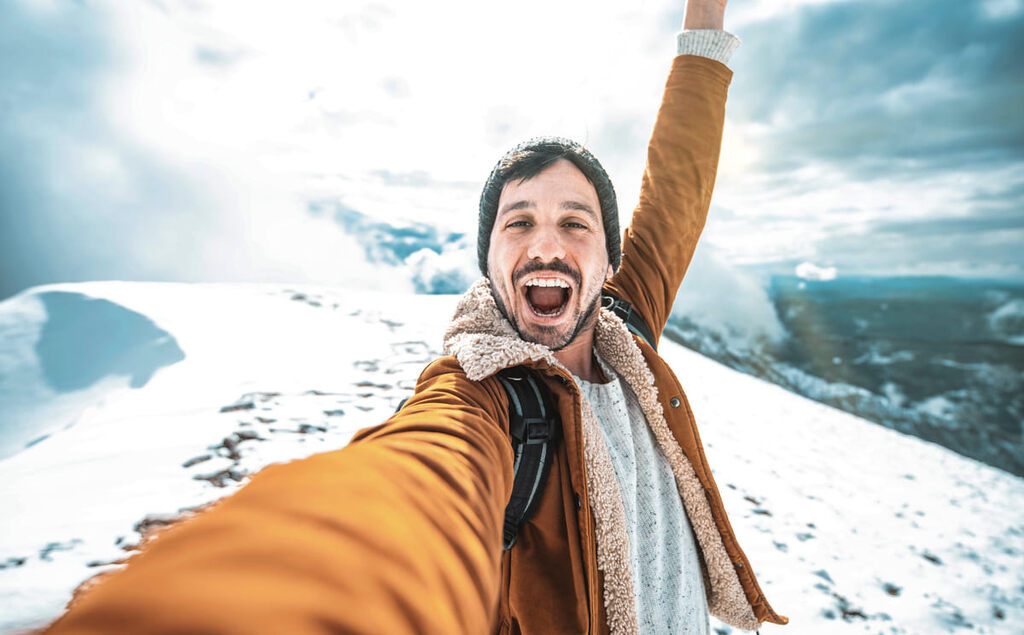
(610, 272)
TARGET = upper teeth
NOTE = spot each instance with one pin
(547, 282)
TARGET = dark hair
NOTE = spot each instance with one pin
(527, 160)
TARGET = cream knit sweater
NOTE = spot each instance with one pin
(667, 581)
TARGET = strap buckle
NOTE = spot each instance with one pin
(537, 431)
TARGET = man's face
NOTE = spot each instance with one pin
(548, 258)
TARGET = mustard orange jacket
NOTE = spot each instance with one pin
(400, 531)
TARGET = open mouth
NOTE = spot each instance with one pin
(547, 297)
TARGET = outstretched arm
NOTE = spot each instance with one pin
(399, 532)
(682, 161)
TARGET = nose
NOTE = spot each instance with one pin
(546, 245)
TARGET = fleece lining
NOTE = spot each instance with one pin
(484, 342)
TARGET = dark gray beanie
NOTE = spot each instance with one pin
(530, 158)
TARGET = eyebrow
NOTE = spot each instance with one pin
(566, 205)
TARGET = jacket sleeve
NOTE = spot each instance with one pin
(398, 532)
(682, 159)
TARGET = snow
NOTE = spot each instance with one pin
(938, 406)
(1008, 321)
(833, 510)
(851, 527)
(876, 357)
(892, 392)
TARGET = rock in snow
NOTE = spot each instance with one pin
(127, 403)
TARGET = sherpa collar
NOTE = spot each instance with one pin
(484, 342)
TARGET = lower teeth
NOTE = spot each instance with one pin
(553, 314)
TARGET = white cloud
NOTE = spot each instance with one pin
(211, 125)
(811, 271)
(1000, 9)
(723, 299)
(742, 14)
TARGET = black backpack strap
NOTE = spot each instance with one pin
(634, 321)
(534, 426)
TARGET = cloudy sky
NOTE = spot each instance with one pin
(234, 141)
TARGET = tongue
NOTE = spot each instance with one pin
(546, 299)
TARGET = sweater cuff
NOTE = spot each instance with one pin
(713, 44)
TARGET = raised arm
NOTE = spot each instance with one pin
(682, 161)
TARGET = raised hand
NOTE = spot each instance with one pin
(704, 14)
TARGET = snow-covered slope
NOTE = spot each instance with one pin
(140, 400)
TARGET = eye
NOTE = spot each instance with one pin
(576, 225)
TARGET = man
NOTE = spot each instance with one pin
(400, 531)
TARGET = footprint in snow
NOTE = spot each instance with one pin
(821, 573)
(46, 552)
(12, 563)
(932, 558)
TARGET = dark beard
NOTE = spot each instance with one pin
(587, 320)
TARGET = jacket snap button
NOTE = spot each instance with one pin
(739, 565)
(579, 502)
(674, 402)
